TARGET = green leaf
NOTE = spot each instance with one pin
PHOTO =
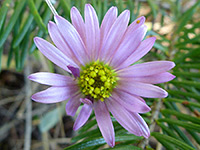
(185, 82)
(195, 66)
(37, 16)
(25, 50)
(187, 16)
(171, 140)
(1, 52)
(12, 21)
(187, 74)
(188, 94)
(167, 130)
(3, 11)
(91, 133)
(159, 46)
(187, 125)
(24, 29)
(66, 6)
(88, 126)
(154, 7)
(184, 102)
(181, 115)
(45, 17)
(124, 147)
(194, 135)
(101, 141)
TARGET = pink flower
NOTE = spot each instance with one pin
(100, 58)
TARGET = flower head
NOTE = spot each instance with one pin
(103, 79)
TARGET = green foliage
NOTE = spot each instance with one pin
(179, 120)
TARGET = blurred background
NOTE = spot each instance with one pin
(174, 121)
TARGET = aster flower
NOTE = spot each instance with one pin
(103, 79)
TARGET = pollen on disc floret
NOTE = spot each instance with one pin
(97, 80)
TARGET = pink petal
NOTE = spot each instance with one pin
(75, 71)
(124, 117)
(104, 122)
(78, 22)
(136, 24)
(114, 36)
(153, 79)
(83, 116)
(130, 42)
(142, 89)
(51, 79)
(130, 102)
(144, 47)
(53, 54)
(92, 31)
(107, 22)
(142, 124)
(146, 69)
(86, 101)
(72, 38)
(60, 42)
(73, 104)
(54, 94)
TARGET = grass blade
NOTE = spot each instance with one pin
(3, 12)
(37, 16)
(171, 140)
(190, 126)
(12, 22)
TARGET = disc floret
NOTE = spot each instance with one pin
(97, 80)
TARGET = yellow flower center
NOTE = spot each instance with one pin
(97, 80)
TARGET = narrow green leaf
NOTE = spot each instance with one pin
(181, 115)
(120, 6)
(194, 135)
(91, 133)
(25, 50)
(82, 5)
(16, 50)
(159, 46)
(195, 66)
(66, 5)
(153, 7)
(167, 130)
(37, 16)
(3, 11)
(187, 74)
(186, 41)
(101, 141)
(187, 125)
(99, 11)
(185, 82)
(180, 93)
(191, 54)
(124, 147)
(17, 58)
(105, 6)
(1, 52)
(175, 128)
(171, 140)
(46, 17)
(12, 21)
(187, 16)
(166, 144)
(88, 126)
(181, 134)
(24, 29)
(184, 102)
